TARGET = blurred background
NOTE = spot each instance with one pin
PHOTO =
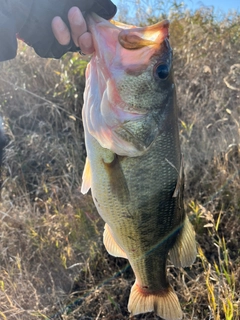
(218, 7)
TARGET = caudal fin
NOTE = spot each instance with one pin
(165, 305)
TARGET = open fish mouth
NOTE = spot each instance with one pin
(130, 36)
(137, 38)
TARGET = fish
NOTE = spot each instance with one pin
(134, 165)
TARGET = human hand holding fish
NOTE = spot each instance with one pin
(79, 32)
(134, 162)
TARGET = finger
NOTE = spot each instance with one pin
(85, 43)
(60, 31)
(77, 23)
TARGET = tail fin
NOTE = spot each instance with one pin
(165, 305)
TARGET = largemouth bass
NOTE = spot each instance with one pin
(134, 164)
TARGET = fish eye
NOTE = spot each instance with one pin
(162, 71)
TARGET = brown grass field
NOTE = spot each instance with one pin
(52, 261)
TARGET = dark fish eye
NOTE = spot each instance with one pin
(162, 71)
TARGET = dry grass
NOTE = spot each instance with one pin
(52, 262)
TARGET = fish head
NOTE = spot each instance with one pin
(129, 83)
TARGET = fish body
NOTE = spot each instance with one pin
(134, 162)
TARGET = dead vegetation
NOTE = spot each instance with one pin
(52, 262)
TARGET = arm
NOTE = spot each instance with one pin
(31, 21)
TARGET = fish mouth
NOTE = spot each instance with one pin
(129, 36)
(137, 38)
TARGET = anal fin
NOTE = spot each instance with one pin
(111, 245)
(184, 251)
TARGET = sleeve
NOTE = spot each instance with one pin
(31, 20)
(8, 42)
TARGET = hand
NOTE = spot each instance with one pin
(42, 28)
(79, 34)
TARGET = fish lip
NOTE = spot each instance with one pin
(139, 37)
(132, 37)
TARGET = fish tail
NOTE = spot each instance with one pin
(165, 304)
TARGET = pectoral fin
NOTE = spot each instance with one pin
(111, 245)
(117, 180)
(86, 177)
(184, 252)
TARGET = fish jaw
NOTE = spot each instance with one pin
(147, 36)
(105, 107)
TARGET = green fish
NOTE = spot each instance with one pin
(134, 165)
